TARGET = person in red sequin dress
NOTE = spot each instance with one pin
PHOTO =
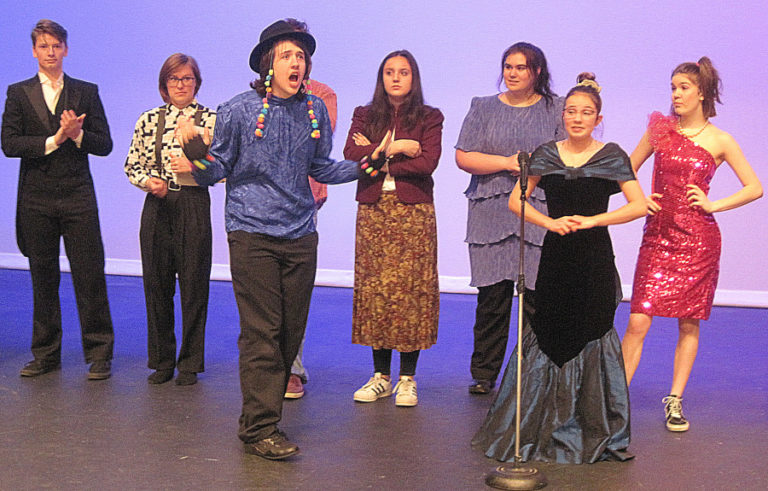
(678, 264)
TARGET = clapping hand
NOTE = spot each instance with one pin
(71, 124)
(186, 130)
(194, 145)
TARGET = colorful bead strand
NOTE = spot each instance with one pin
(261, 121)
(311, 112)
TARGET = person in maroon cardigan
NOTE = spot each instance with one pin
(396, 291)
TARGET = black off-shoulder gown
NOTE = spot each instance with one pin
(575, 403)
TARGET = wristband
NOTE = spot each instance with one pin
(197, 152)
(372, 167)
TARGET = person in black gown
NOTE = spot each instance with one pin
(575, 406)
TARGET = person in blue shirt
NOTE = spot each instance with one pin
(267, 142)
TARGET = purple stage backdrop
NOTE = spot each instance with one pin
(631, 46)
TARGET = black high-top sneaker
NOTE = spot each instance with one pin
(673, 411)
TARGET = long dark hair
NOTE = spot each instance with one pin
(382, 111)
(704, 75)
(537, 62)
(265, 64)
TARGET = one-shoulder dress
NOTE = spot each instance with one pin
(575, 403)
(679, 260)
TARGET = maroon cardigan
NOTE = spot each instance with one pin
(413, 176)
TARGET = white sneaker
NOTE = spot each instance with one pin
(375, 388)
(406, 392)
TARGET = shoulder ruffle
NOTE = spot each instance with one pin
(660, 127)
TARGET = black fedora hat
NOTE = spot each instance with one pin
(279, 30)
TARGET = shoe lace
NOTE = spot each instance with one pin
(405, 386)
(277, 438)
(674, 406)
(377, 381)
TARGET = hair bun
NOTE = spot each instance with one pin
(587, 79)
(586, 76)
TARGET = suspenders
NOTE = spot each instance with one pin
(172, 185)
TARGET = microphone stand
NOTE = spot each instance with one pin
(517, 476)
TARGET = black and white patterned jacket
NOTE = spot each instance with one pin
(141, 163)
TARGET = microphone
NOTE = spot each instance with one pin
(523, 159)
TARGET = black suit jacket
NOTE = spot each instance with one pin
(27, 123)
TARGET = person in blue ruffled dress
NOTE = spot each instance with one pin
(575, 402)
(494, 131)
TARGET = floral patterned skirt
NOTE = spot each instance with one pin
(396, 296)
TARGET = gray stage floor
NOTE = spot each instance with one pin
(59, 431)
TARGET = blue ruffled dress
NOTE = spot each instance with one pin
(493, 232)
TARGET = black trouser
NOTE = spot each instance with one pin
(273, 280)
(492, 318)
(175, 239)
(46, 214)
(382, 360)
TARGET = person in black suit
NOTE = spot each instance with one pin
(52, 122)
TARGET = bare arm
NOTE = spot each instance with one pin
(562, 225)
(642, 151)
(751, 187)
(635, 208)
(640, 154)
(483, 163)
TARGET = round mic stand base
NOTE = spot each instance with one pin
(515, 476)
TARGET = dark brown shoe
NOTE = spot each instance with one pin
(481, 387)
(100, 370)
(186, 378)
(160, 376)
(39, 367)
(276, 447)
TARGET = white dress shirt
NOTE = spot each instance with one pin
(51, 92)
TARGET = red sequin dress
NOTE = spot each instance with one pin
(679, 259)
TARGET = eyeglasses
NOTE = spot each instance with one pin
(572, 113)
(184, 80)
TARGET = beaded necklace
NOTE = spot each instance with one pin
(693, 135)
(261, 120)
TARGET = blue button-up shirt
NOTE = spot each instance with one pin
(267, 187)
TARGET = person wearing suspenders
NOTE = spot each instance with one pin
(175, 233)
